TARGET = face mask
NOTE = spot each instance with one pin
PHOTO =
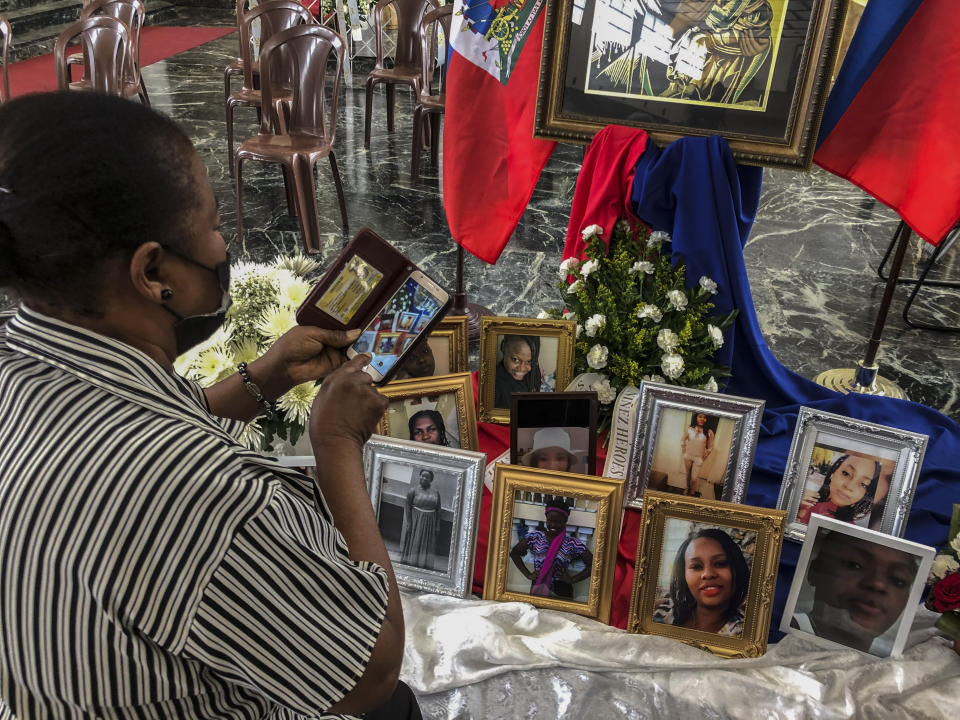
(193, 330)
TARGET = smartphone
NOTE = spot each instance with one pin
(401, 322)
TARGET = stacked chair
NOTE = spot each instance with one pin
(5, 36)
(429, 104)
(236, 66)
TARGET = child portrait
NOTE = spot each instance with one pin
(554, 448)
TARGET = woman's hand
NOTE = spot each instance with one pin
(301, 354)
(809, 499)
(348, 406)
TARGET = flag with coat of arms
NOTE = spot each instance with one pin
(491, 160)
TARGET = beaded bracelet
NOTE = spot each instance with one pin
(254, 389)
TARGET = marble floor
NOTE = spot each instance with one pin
(811, 257)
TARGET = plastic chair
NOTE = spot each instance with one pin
(428, 104)
(274, 16)
(299, 56)
(5, 35)
(406, 68)
(106, 45)
(236, 67)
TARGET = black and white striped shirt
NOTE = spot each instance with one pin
(150, 566)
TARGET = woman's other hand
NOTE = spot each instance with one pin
(302, 354)
(348, 406)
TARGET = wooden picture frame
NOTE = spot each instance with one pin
(821, 439)
(670, 534)
(455, 331)
(664, 408)
(392, 468)
(763, 88)
(561, 423)
(552, 356)
(428, 392)
(522, 497)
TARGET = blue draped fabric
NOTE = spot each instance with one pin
(693, 190)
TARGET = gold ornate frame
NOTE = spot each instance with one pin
(490, 327)
(794, 151)
(768, 525)
(609, 495)
(455, 329)
(459, 383)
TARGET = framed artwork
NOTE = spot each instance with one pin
(426, 500)
(385, 343)
(432, 410)
(522, 355)
(692, 442)
(858, 472)
(553, 540)
(406, 321)
(855, 587)
(756, 73)
(444, 351)
(705, 573)
(554, 431)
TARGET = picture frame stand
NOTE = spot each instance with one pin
(460, 305)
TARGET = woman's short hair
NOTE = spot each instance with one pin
(86, 177)
(683, 602)
(436, 418)
(860, 508)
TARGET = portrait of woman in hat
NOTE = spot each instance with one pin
(556, 448)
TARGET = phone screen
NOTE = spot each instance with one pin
(397, 325)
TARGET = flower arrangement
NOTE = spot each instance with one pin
(944, 596)
(265, 300)
(636, 319)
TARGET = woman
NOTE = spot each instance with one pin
(708, 584)
(427, 426)
(847, 490)
(551, 450)
(553, 551)
(421, 524)
(519, 368)
(139, 541)
(696, 445)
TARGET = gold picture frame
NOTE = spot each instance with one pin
(455, 330)
(553, 359)
(520, 495)
(406, 395)
(675, 524)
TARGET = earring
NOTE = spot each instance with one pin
(166, 294)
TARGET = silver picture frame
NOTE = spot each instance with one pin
(657, 402)
(461, 470)
(903, 448)
(845, 582)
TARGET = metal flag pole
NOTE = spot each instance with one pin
(460, 305)
(865, 377)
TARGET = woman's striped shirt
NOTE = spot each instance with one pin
(150, 566)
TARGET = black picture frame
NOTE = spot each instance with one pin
(536, 411)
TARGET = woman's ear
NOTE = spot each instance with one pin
(148, 272)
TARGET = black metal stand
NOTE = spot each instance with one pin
(460, 305)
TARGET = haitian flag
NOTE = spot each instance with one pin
(890, 122)
(490, 160)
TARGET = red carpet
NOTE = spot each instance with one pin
(156, 43)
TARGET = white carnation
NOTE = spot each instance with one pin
(711, 385)
(606, 393)
(943, 565)
(709, 285)
(650, 311)
(594, 324)
(591, 230)
(677, 298)
(654, 378)
(597, 357)
(574, 286)
(588, 267)
(622, 225)
(579, 330)
(667, 340)
(567, 267)
(955, 543)
(672, 365)
(716, 335)
(543, 315)
(642, 266)
(657, 238)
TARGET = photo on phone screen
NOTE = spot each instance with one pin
(397, 325)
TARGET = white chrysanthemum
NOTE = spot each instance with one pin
(709, 285)
(297, 401)
(643, 266)
(650, 311)
(588, 267)
(716, 335)
(568, 266)
(543, 315)
(185, 363)
(955, 544)
(711, 385)
(672, 365)
(677, 299)
(574, 286)
(275, 322)
(667, 340)
(246, 351)
(292, 292)
(252, 435)
(606, 393)
(569, 315)
(213, 365)
(591, 230)
(243, 270)
(299, 265)
(657, 238)
(654, 378)
(597, 357)
(594, 324)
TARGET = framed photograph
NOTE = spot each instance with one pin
(386, 343)
(522, 355)
(553, 540)
(756, 73)
(364, 343)
(554, 431)
(692, 442)
(432, 410)
(406, 321)
(855, 587)
(427, 500)
(445, 351)
(851, 470)
(706, 572)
